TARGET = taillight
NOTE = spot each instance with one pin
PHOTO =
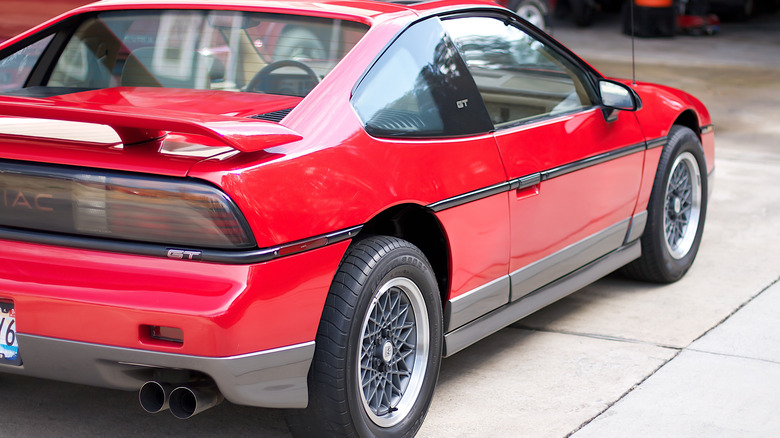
(117, 206)
(179, 213)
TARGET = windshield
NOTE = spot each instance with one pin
(222, 50)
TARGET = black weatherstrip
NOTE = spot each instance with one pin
(535, 178)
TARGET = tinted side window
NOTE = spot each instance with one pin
(518, 77)
(420, 87)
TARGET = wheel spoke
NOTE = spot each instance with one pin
(683, 198)
(390, 350)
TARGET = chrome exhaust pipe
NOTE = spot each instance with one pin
(154, 396)
(186, 401)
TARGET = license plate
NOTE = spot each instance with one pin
(9, 347)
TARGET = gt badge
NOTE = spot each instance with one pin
(184, 254)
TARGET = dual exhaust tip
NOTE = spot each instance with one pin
(183, 401)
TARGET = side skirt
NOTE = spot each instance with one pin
(516, 310)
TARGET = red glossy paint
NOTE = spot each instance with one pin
(478, 244)
(223, 310)
(649, 169)
(353, 179)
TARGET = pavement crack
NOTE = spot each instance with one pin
(741, 306)
(677, 353)
(622, 396)
(736, 356)
(596, 336)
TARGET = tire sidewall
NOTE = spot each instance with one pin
(681, 140)
(540, 5)
(408, 263)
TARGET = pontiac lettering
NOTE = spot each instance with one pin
(17, 199)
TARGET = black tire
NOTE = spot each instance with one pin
(678, 202)
(382, 319)
(536, 12)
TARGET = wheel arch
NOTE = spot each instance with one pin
(696, 122)
(419, 226)
(688, 119)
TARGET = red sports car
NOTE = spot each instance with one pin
(308, 204)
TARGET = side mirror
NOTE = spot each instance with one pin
(617, 96)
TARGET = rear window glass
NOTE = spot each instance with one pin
(222, 50)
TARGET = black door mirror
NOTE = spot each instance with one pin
(618, 96)
(615, 97)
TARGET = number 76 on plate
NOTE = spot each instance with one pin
(9, 348)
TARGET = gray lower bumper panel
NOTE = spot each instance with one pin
(272, 378)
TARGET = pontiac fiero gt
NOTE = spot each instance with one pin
(307, 205)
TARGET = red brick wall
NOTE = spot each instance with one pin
(17, 16)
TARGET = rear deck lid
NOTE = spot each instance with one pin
(162, 131)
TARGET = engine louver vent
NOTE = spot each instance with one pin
(273, 116)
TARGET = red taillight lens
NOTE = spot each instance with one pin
(177, 213)
(146, 209)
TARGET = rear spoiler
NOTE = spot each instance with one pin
(243, 134)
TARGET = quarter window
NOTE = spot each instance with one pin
(16, 68)
(420, 87)
(519, 77)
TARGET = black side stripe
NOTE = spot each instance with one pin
(191, 254)
(656, 143)
(536, 178)
(592, 161)
(470, 196)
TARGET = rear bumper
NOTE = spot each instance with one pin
(272, 378)
(85, 317)
(105, 298)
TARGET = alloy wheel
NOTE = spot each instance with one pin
(394, 351)
(682, 205)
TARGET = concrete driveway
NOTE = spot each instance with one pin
(700, 357)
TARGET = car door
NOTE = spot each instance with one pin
(424, 113)
(575, 171)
